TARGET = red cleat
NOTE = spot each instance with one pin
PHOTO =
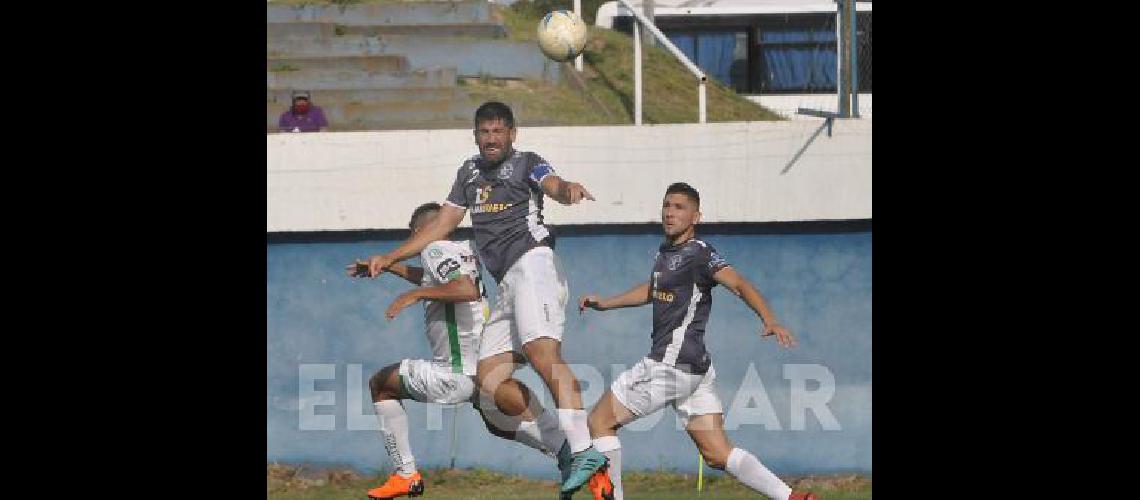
(803, 495)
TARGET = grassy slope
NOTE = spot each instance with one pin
(669, 91)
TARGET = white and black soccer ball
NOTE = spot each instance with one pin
(561, 35)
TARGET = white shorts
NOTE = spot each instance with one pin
(430, 381)
(649, 385)
(532, 304)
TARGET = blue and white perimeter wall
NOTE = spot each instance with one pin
(806, 410)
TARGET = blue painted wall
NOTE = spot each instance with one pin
(819, 285)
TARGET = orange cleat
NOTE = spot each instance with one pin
(398, 486)
(803, 495)
(600, 485)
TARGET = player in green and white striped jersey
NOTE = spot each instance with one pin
(455, 309)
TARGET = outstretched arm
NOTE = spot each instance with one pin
(636, 296)
(413, 274)
(564, 192)
(448, 219)
(461, 289)
(744, 289)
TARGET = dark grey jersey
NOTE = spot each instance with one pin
(682, 283)
(506, 207)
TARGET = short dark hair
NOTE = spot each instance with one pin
(681, 187)
(430, 206)
(494, 110)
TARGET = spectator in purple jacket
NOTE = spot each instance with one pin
(303, 116)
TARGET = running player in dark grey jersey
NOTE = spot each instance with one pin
(503, 189)
(682, 282)
(678, 370)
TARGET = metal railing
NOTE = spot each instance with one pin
(701, 78)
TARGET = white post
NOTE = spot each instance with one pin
(647, 24)
(855, 60)
(642, 22)
(636, 74)
(702, 110)
(838, 57)
(454, 431)
(578, 11)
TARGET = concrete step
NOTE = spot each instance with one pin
(282, 98)
(346, 80)
(279, 30)
(465, 11)
(300, 46)
(421, 111)
(362, 126)
(471, 56)
(480, 30)
(440, 113)
(382, 63)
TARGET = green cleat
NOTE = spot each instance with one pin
(584, 465)
(564, 460)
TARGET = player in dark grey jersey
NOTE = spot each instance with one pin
(678, 370)
(504, 190)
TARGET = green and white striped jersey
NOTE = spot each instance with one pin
(454, 330)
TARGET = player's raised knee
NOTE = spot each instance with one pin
(544, 352)
(489, 381)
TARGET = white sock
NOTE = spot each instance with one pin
(611, 447)
(542, 434)
(394, 427)
(748, 470)
(573, 423)
(529, 434)
(552, 435)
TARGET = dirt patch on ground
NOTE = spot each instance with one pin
(293, 477)
(848, 482)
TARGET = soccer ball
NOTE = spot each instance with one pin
(561, 35)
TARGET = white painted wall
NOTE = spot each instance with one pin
(373, 180)
(786, 105)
